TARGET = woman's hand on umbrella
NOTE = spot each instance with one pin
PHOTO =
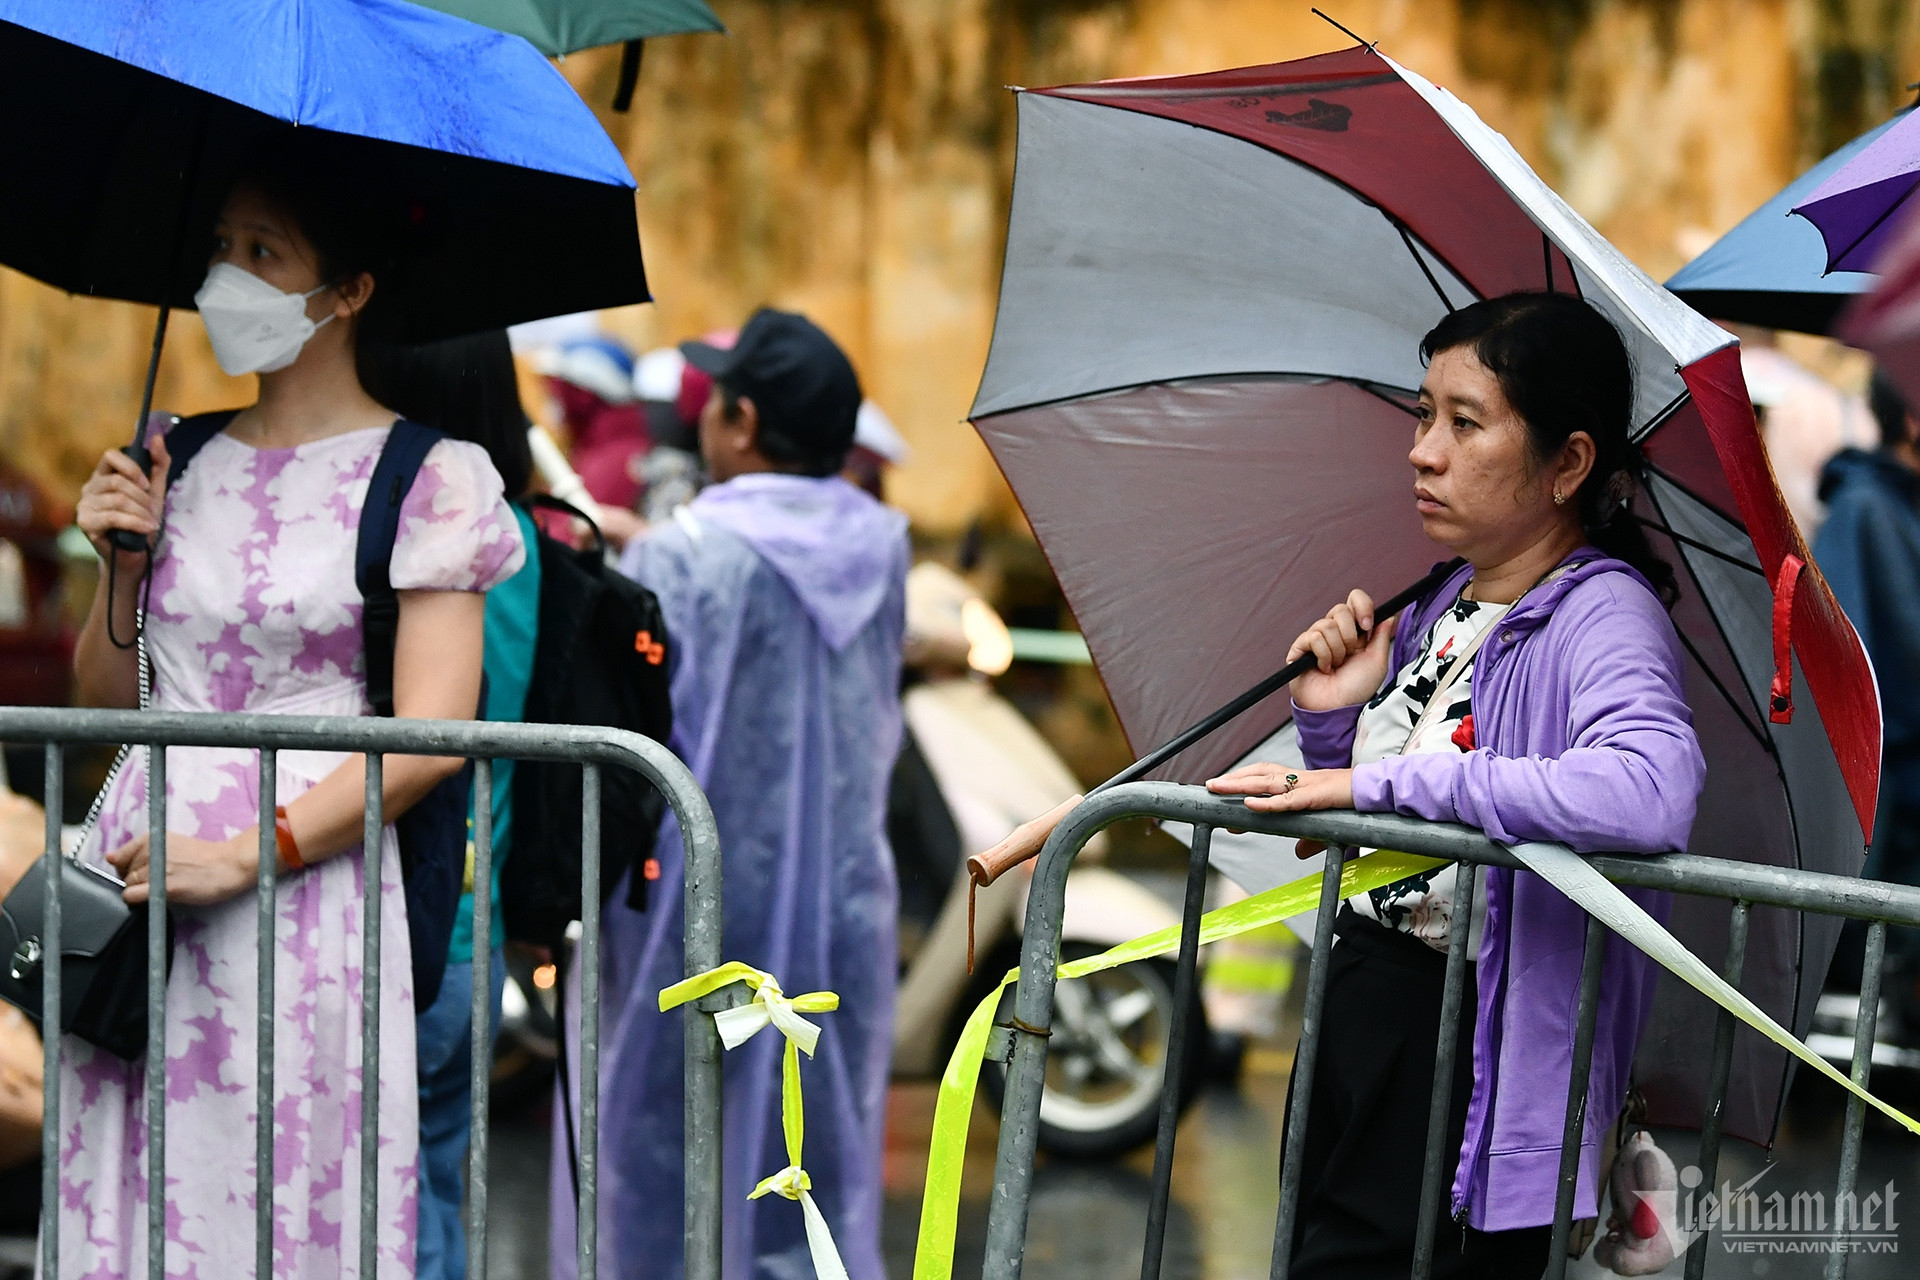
(199, 872)
(1276, 788)
(118, 496)
(1352, 656)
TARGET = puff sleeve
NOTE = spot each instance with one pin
(457, 532)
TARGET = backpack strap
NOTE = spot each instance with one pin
(547, 502)
(400, 459)
(187, 436)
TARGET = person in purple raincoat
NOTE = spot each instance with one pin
(784, 592)
(1536, 695)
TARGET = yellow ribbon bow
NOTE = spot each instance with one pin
(771, 1007)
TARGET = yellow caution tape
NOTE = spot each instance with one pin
(940, 1203)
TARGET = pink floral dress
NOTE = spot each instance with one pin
(254, 608)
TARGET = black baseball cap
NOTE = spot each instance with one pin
(802, 385)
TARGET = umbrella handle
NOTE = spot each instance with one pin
(1023, 843)
(127, 539)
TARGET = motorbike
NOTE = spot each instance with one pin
(971, 769)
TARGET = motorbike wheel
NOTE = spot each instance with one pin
(1107, 1058)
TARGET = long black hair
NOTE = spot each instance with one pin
(465, 387)
(1564, 369)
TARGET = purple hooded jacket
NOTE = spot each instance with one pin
(1584, 738)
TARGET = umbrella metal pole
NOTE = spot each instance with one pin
(1300, 1087)
(1259, 693)
(1711, 1124)
(1186, 982)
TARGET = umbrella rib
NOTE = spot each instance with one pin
(1833, 259)
(1546, 252)
(1667, 476)
(1698, 545)
(1372, 390)
(1665, 411)
(1766, 743)
(1406, 238)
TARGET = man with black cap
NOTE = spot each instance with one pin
(784, 593)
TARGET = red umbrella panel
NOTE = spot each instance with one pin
(1200, 388)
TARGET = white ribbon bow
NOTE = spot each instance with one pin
(769, 1005)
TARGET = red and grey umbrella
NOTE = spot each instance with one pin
(1200, 387)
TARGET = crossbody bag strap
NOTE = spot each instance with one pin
(1437, 703)
(400, 460)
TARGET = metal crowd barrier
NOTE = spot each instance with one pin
(1746, 884)
(593, 749)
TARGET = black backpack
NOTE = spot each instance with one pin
(433, 833)
(601, 659)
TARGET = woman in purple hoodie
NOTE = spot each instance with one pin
(1536, 695)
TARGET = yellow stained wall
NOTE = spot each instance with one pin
(852, 159)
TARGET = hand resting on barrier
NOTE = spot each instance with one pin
(1274, 788)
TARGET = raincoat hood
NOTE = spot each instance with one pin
(1872, 467)
(838, 549)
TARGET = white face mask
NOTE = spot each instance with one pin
(255, 328)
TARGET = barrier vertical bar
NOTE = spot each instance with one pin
(1577, 1081)
(481, 1062)
(1715, 1118)
(589, 1231)
(157, 1011)
(1863, 1028)
(50, 1010)
(701, 941)
(1301, 1085)
(266, 902)
(1452, 999)
(372, 873)
(1186, 982)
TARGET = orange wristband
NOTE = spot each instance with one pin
(290, 859)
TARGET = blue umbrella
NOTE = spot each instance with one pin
(1771, 270)
(122, 122)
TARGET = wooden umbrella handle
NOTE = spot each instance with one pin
(1023, 843)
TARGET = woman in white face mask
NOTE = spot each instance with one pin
(254, 608)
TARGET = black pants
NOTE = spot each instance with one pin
(1367, 1122)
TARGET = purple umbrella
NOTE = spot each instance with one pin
(1855, 207)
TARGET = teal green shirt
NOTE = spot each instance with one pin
(513, 626)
